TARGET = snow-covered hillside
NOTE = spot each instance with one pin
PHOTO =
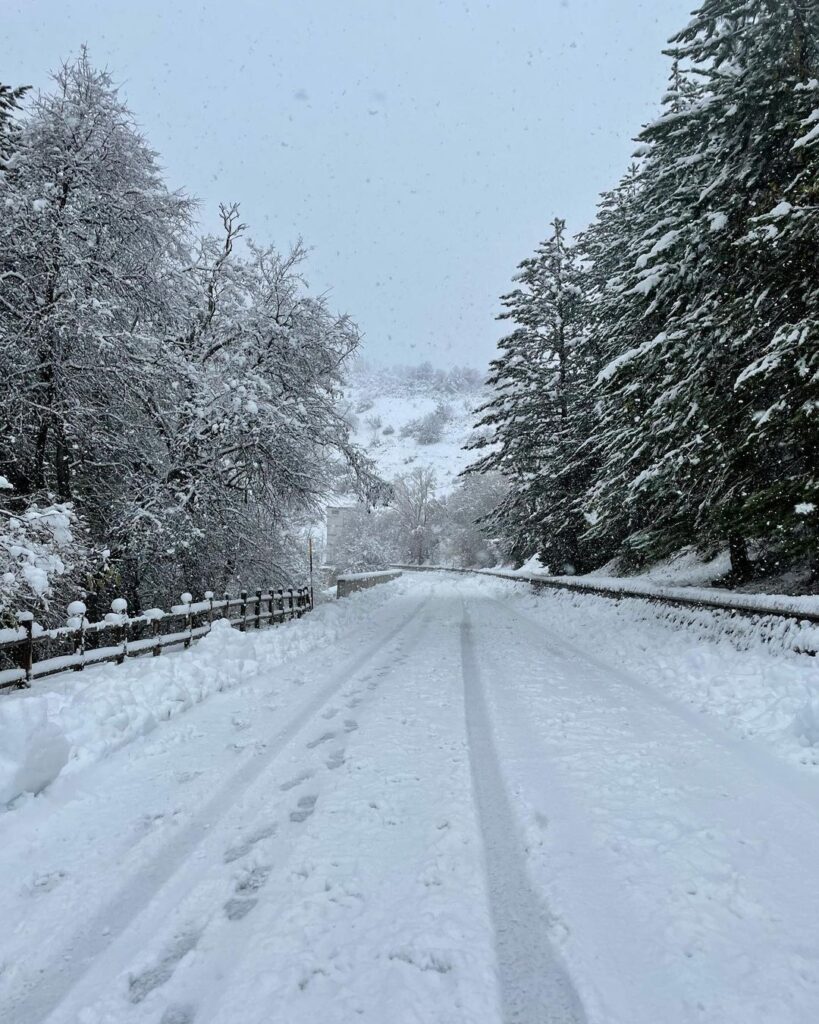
(415, 416)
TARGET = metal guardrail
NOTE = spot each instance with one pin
(30, 653)
(746, 607)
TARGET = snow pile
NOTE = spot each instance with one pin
(33, 749)
(104, 708)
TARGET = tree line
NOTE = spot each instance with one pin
(659, 385)
(168, 400)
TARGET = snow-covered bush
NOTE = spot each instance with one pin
(41, 551)
(429, 429)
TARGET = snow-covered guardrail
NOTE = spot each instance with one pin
(29, 652)
(351, 582)
(778, 606)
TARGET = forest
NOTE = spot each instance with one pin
(172, 406)
(659, 385)
(168, 400)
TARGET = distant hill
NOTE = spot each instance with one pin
(408, 416)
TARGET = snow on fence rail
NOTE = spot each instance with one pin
(29, 652)
(775, 610)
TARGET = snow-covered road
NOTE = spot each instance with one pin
(461, 803)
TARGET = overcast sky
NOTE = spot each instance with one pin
(419, 147)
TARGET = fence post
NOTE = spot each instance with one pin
(156, 650)
(258, 609)
(187, 598)
(119, 606)
(226, 599)
(272, 607)
(209, 599)
(279, 599)
(290, 602)
(243, 610)
(76, 610)
(26, 620)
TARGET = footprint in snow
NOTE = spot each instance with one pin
(253, 880)
(335, 760)
(350, 725)
(142, 984)
(236, 909)
(296, 781)
(321, 739)
(45, 883)
(178, 1015)
(330, 713)
(235, 852)
(306, 806)
(244, 901)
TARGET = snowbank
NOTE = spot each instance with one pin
(743, 673)
(33, 749)
(72, 719)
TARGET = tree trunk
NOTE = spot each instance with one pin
(741, 569)
(63, 463)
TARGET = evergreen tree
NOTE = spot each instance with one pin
(537, 382)
(719, 445)
(9, 103)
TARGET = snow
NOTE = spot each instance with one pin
(624, 358)
(33, 749)
(447, 799)
(108, 707)
(810, 137)
(782, 209)
(385, 574)
(533, 565)
(397, 403)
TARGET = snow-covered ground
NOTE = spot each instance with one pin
(446, 799)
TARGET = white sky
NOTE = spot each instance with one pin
(420, 147)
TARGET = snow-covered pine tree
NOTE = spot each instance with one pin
(603, 250)
(533, 414)
(9, 102)
(703, 450)
(765, 122)
(638, 499)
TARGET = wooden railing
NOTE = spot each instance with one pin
(28, 652)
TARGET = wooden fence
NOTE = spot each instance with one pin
(29, 652)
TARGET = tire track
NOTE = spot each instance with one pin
(41, 993)
(535, 988)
